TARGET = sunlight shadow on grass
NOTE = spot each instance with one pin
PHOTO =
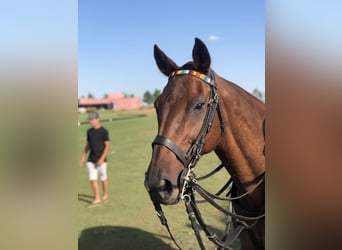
(117, 237)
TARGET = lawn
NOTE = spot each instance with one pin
(128, 220)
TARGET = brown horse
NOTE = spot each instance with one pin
(181, 111)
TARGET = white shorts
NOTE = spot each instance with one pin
(97, 171)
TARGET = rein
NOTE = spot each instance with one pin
(189, 183)
(243, 222)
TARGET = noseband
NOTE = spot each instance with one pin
(190, 158)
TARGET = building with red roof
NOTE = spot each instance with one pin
(113, 101)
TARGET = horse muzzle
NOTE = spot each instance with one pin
(162, 190)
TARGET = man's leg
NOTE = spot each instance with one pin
(92, 171)
(105, 189)
(96, 192)
(103, 178)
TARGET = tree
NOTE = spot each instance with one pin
(148, 98)
(105, 96)
(258, 94)
(90, 95)
(155, 95)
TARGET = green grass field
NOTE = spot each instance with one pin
(128, 220)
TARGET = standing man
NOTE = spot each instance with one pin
(98, 145)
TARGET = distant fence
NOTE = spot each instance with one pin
(110, 119)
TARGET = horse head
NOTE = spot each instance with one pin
(181, 109)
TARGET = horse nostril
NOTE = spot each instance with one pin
(165, 188)
(168, 186)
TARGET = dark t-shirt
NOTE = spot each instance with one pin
(96, 139)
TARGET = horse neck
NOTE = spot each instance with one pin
(241, 146)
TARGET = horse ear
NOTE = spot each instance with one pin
(200, 56)
(165, 64)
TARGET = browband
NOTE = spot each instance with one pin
(204, 77)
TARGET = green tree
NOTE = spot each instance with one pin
(90, 95)
(148, 98)
(258, 94)
(105, 96)
(155, 95)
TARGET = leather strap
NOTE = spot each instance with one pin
(172, 146)
(163, 221)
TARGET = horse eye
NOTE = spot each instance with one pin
(199, 106)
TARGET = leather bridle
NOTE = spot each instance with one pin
(191, 157)
(189, 183)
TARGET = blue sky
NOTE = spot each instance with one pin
(116, 38)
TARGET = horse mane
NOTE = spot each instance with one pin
(191, 66)
(241, 91)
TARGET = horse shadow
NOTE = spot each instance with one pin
(118, 237)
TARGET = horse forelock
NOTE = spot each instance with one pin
(188, 65)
